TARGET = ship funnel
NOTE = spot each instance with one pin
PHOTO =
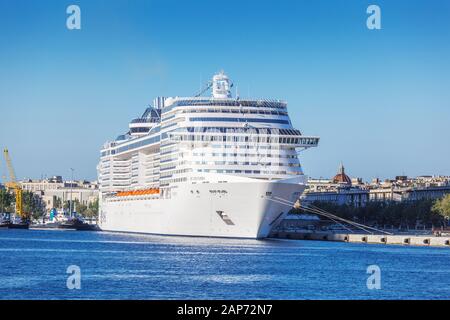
(221, 86)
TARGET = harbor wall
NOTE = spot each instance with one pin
(412, 240)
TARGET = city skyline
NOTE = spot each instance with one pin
(378, 99)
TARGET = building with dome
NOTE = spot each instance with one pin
(341, 177)
(339, 190)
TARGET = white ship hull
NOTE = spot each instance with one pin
(239, 208)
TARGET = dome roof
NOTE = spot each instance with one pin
(341, 177)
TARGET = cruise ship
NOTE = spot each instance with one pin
(210, 165)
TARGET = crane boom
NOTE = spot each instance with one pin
(13, 184)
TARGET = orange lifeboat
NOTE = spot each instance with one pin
(137, 192)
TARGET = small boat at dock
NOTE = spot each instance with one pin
(22, 225)
(78, 224)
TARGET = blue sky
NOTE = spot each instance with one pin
(379, 99)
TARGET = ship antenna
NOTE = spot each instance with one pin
(207, 87)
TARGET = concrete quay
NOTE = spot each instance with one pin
(407, 240)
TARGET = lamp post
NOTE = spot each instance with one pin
(71, 188)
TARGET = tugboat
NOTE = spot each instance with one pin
(14, 222)
(77, 224)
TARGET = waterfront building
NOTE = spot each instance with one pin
(411, 193)
(54, 191)
(84, 196)
(42, 185)
(342, 189)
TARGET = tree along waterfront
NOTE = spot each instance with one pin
(87, 211)
(33, 206)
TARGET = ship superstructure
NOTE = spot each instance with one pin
(203, 166)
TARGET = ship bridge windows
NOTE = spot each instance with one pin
(139, 130)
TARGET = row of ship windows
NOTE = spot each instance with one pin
(169, 125)
(153, 164)
(243, 171)
(234, 130)
(307, 141)
(126, 176)
(202, 129)
(169, 117)
(168, 160)
(242, 111)
(295, 167)
(154, 174)
(169, 150)
(154, 139)
(171, 157)
(171, 165)
(171, 173)
(141, 143)
(139, 130)
(167, 181)
(234, 155)
(222, 119)
(251, 139)
(249, 146)
(120, 177)
(229, 103)
(125, 170)
(242, 120)
(117, 162)
(176, 180)
(247, 163)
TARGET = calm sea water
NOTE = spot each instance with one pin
(33, 265)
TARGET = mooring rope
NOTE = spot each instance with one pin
(287, 203)
(352, 222)
(321, 212)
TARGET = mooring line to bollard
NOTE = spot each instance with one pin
(318, 211)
